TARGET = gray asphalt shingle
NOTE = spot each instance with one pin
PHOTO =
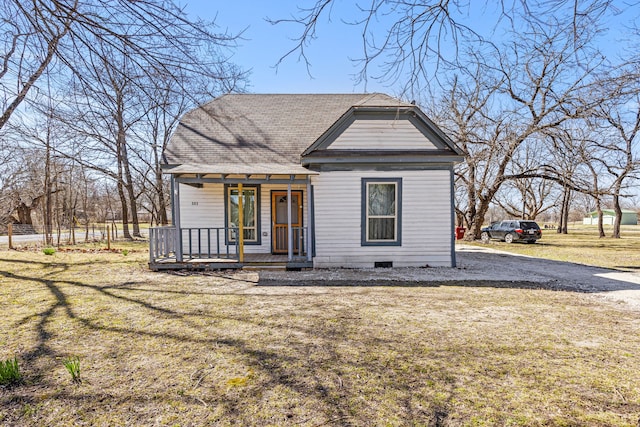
(249, 129)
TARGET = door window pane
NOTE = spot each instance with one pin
(281, 209)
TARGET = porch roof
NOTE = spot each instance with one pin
(239, 169)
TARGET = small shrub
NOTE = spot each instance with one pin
(49, 251)
(125, 252)
(10, 372)
(73, 366)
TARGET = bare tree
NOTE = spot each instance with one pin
(527, 197)
(498, 98)
(618, 120)
(112, 51)
(103, 113)
(166, 105)
(406, 42)
(156, 35)
(510, 101)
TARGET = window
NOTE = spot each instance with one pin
(250, 204)
(381, 211)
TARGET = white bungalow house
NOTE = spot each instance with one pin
(352, 180)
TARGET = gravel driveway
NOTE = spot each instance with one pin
(481, 264)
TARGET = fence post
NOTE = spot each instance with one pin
(10, 234)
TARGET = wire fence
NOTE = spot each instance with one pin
(24, 234)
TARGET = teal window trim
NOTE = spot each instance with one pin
(365, 217)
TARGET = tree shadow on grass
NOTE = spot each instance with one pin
(331, 400)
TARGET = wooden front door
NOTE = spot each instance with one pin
(280, 232)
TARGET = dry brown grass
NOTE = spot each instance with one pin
(219, 349)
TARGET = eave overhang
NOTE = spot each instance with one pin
(322, 157)
(237, 169)
(198, 174)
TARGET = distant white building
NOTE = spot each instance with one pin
(608, 216)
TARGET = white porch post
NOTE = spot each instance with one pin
(289, 230)
(309, 210)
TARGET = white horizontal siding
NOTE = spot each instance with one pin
(201, 207)
(426, 220)
(204, 208)
(377, 134)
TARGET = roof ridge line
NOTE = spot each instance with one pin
(367, 98)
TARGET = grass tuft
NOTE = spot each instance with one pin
(73, 367)
(10, 372)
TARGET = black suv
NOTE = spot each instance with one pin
(512, 231)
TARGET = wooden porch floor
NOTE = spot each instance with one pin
(250, 261)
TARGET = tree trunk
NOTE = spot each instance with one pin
(564, 211)
(598, 202)
(618, 219)
(123, 159)
(125, 211)
(123, 198)
(24, 214)
(159, 186)
(600, 218)
(475, 222)
(48, 215)
(567, 208)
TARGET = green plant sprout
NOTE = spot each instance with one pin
(10, 372)
(73, 366)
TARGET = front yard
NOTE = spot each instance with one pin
(220, 349)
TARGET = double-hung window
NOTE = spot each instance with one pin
(381, 211)
(250, 204)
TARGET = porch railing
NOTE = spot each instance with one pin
(169, 243)
(209, 243)
(190, 243)
(162, 243)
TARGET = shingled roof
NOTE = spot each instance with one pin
(250, 129)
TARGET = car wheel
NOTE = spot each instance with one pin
(485, 237)
(509, 238)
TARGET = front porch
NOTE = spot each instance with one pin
(171, 248)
